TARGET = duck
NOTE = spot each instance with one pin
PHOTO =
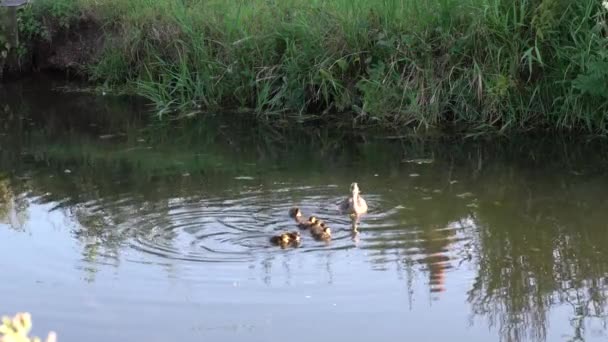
(355, 204)
(286, 239)
(320, 231)
(302, 223)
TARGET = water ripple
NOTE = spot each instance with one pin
(236, 226)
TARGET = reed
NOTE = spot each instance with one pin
(485, 65)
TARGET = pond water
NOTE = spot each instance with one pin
(114, 230)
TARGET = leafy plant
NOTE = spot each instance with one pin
(5, 45)
(595, 81)
(17, 329)
(483, 64)
(30, 24)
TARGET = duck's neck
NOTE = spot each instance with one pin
(355, 195)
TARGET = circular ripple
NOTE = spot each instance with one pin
(236, 227)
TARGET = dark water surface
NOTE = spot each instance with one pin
(111, 230)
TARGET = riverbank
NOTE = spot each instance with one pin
(485, 65)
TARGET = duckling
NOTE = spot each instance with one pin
(295, 213)
(320, 231)
(308, 224)
(354, 205)
(286, 239)
(302, 223)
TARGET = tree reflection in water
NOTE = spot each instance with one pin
(529, 217)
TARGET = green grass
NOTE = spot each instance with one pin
(506, 65)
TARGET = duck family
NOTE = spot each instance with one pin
(354, 205)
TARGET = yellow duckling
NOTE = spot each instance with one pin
(320, 231)
(286, 239)
(302, 223)
(308, 224)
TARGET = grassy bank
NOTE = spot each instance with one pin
(482, 64)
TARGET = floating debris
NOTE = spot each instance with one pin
(243, 178)
(453, 181)
(419, 161)
(427, 198)
(414, 175)
(67, 171)
(401, 207)
(465, 195)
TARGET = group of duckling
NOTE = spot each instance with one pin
(318, 229)
(354, 205)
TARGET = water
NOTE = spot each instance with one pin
(113, 230)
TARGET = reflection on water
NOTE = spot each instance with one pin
(506, 235)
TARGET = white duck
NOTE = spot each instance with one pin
(354, 205)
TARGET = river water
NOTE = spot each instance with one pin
(112, 229)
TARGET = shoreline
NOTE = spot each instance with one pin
(399, 67)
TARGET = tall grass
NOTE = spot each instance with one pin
(483, 64)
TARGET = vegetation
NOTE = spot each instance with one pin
(4, 40)
(480, 64)
(17, 329)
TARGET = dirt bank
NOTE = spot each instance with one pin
(67, 49)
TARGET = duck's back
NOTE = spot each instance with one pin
(346, 204)
(361, 205)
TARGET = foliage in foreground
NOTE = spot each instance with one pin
(504, 64)
(17, 329)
